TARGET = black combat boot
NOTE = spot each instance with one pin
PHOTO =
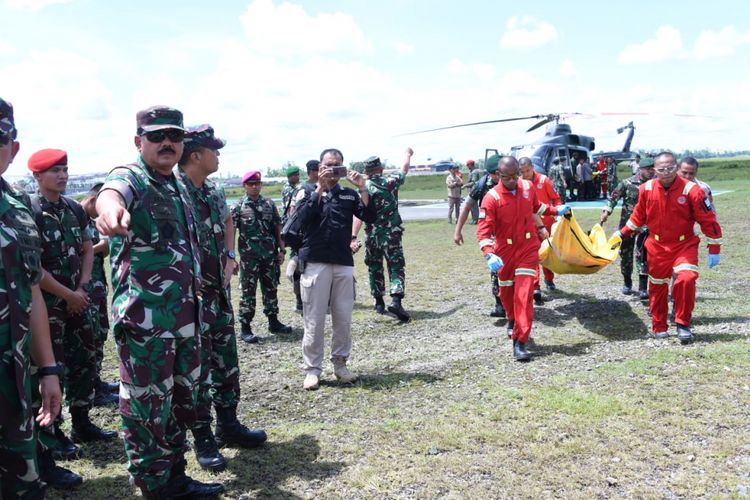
(520, 352)
(248, 336)
(65, 449)
(104, 395)
(643, 287)
(207, 451)
(499, 310)
(276, 326)
(509, 328)
(538, 297)
(684, 334)
(396, 308)
(298, 305)
(102, 386)
(84, 429)
(627, 287)
(229, 431)
(56, 476)
(379, 304)
(180, 485)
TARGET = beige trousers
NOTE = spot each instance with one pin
(323, 285)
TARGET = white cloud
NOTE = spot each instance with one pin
(32, 4)
(715, 44)
(403, 48)
(567, 68)
(666, 45)
(287, 29)
(479, 70)
(527, 32)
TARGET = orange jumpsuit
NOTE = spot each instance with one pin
(672, 244)
(506, 228)
(601, 167)
(545, 193)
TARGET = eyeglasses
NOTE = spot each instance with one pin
(666, 170)
(173, 134)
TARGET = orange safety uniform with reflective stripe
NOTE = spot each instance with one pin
(545, 193)
(672, 245)
(506, 228)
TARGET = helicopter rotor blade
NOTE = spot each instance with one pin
(476, 123)
(548, 119)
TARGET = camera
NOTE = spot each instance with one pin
(339, 171)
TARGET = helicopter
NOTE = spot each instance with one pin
(559, 141)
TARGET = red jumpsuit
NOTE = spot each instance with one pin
(601, 167)
(545, 193)
(507, 229)
(672, 244)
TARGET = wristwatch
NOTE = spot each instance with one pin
(231, 254)
(50, 370)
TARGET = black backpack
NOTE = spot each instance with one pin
(292, 232)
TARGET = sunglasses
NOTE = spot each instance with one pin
(4, 139)
(173, 134)
(252, 183)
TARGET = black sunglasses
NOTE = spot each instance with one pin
(173, 134)
(4, 139)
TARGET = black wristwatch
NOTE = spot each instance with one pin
(231, 254)
(50, 370)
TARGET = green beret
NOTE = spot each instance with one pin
(646, 163)
(490, 166)
(292, 170)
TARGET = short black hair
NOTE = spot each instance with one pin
(312, 165)
(189, 148)
(690, 161)
(332, 151)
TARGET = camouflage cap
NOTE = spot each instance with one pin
(490, 166)
(203, 135)
(372, 162)
(646, 163)
(158, 118)
(292, 170)
(7, 123)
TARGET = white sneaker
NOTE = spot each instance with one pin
(343, 374)
(312, 382)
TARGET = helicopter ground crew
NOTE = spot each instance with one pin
(509, 233)
(670, 206)
(546, 194)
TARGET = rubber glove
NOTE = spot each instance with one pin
(494, 262)
(615, 241)
(713, 259)
(562, 209)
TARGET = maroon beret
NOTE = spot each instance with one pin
(253, 175)
(45, 159)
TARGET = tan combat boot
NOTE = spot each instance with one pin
(312, 382)
(341, 372)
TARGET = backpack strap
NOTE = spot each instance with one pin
(77, 210)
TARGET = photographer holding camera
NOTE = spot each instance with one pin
(327, 265)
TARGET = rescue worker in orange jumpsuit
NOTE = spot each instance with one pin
(670, 206)
(509, 232)
(545, 193)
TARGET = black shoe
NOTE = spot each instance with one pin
(276, 326)
(642, 287)
(684, 334)
(538, 297)
(626, 290)
(509, 327)
(498, 311)
(229, 431)
(520, 352)
(207, 451)
(396, 308)
(183, 486)
(65, 449)
(379, 306)
(84, 429)
(248, 336)
(643, 295)
(105, 398)
(56, 476)
(550, 285)
(298, 306)
(102, 386)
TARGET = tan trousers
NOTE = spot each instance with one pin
(321, 286)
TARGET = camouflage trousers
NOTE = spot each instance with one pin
(100, 318)
(560, 190)
(158, 393)
(220, 372)
(495, 284)
(253, 270)
(390, 249)
(633, 245)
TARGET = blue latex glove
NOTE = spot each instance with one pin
(562, 209)
(713, 259)
(494, 262)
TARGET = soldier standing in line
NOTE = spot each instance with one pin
(627, 191)
(261, 253)
(156, 276)
(67, 258)
(24, 342)
(557, 176)
(611, 174)
(288, 195)
(220, 372)
(384, 235)
(104, 393)
(454, 182)
(474, 175)
(490, 179)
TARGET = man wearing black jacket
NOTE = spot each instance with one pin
(328, 267)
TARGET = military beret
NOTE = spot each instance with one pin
(453, 167)
(491, 164)
(646, 163)
(203, 135)
(251, 176)
(469, 162)
(45, 159)
(7, 122)
(372, 162)
(312, 165)
(158, 118)
(292, 170)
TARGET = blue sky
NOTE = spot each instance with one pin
(283, 80)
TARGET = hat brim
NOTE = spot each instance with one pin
(154, 128)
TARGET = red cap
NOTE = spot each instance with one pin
(253, 175)
(45, 159)
(470, 162)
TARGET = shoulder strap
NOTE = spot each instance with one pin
(36, 211)
(78, 210)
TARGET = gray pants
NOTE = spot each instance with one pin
(454, 205)
(322, 285)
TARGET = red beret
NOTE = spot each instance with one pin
(47, 158)
(470, 162)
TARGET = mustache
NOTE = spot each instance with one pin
(166, 149)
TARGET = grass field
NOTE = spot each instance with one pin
(442, 410)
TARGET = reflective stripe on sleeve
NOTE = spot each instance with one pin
(714, 241)
(542, 208)
(485, 242)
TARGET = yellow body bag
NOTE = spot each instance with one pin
(569, 250)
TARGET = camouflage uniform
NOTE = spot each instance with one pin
(220, 373)
(288, 194)
(19, 270)
(627, 190)
(611, 176)
(99, 291)
(256, 222)
(384, 235)
(556, 175)
(474, 177)
(155, 277)
(477, 193)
